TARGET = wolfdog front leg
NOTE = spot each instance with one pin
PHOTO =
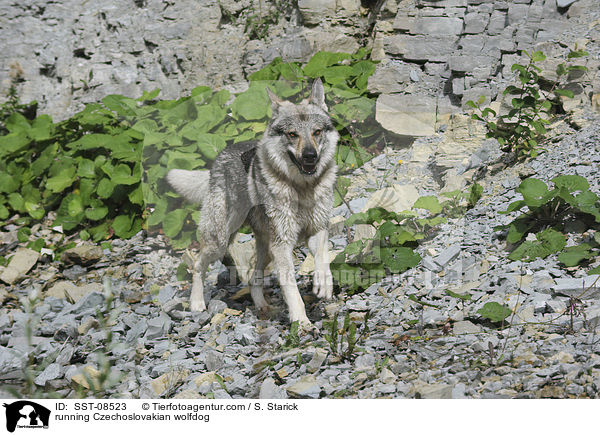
(282, 256)
(322, 279)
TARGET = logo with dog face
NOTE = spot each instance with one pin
(27, 415)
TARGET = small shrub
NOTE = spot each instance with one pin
(524, 126)
(547, 213)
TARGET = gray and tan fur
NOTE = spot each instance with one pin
(283, 187)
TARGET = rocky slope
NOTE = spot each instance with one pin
(421, 341)
(439, 347)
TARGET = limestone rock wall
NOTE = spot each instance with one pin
(69, 52)
(450, 51)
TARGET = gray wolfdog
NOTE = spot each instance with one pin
(282, 187)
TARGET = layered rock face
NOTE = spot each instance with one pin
(445, 51)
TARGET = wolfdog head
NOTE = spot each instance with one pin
(301, 138)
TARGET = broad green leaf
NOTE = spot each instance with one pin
(337, 74)
(105, 188)
(35, 210)
(8, 183)
(572, 183)
(573, 255)
(122, 175)
(122, 225)
(136, 196)
(158, 215)
(3, 211)
(210, 145)
(41, 128)
(357, 218)
(251, 105)
(67, 215)
(201, 91)
(75, 206)
(430, 203)
(291, 71)
(17, 123)
(548, 242)
(60, 182)
(99, 232)
(564, 93)
(321, 60)
(515, 205)
(173, 222)
(494, 311)
(146, 96)
(146, 126)
(399, 259)
(538, 56)
(86, 168)
(574, 54)
(96, 213)
(534, 191)
(12, 143)
(120, 104)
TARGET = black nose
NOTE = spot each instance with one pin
(309, 155)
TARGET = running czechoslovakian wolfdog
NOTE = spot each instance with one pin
(282, 187)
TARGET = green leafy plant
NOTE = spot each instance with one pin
(524, 126)
(547, 213)
(391, 249)
(364, 262)
(103, 170)
(87, 168)
(342, 342)
(494, 311)
(293, 339)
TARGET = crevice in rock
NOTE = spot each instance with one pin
(80, 52)
(48, 71)
(151, 46)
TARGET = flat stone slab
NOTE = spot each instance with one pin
(23, 260)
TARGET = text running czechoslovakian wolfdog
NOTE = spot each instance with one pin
(282, 186)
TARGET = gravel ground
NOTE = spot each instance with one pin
(439, 347)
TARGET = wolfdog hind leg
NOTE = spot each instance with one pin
(322, 279)
(263, 258)
(212, 250)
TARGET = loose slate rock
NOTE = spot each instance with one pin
(23, 260)
(317, 360)
(84, 254)
(91, 300)
(270, 390)
(68, 290)
(51, 372)
(214, 360)
(307, 386)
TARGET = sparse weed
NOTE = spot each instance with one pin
(342, 342)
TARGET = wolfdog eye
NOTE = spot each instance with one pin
(293, 134)
(317, 132)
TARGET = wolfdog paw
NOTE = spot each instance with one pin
(264, 312)
(323, 285)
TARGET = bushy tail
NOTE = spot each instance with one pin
(192, 185)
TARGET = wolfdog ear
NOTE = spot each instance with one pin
(317, 95)
(275, 101)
